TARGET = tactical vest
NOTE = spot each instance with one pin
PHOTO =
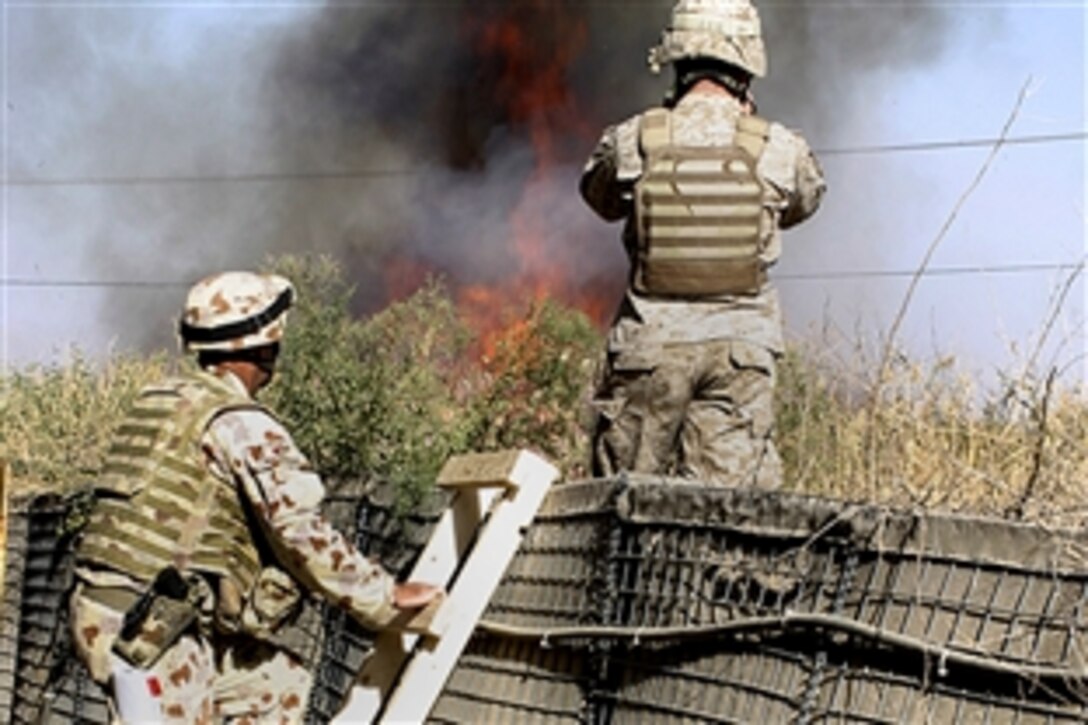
(160, 505)
(698, 213)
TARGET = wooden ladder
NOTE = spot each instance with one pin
(496, 495)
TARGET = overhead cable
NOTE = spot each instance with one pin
(360, 174)
(45, 282)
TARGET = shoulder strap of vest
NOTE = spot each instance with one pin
(655, 130)
(752, 134)
(222, 397)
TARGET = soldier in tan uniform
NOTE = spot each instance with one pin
(704, 185)
(207, 532)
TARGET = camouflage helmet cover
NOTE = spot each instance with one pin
(234, 311)
(726, 30)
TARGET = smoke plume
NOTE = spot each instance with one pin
(460, 129)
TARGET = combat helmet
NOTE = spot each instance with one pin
(235, 311)
(725, 30)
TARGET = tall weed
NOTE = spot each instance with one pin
(933, 439)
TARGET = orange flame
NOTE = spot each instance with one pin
(536, 42)
(533, 43)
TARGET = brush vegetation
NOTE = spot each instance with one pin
(928, 437)
(392, 395)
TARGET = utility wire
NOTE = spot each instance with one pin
(965, 143)
(32, 282)
(934, 272)
(348, 174)
(258, 178)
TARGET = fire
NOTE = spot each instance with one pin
(529, 47)
(534, 43)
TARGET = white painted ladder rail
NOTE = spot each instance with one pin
(496, 497)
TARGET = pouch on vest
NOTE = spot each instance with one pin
(698, 213)
(275, 599)
(157, 620)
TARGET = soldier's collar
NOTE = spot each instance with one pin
(228, 378)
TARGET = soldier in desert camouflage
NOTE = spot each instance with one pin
(207, 529)
(704, 185)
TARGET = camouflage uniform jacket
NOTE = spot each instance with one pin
(286, 494)
(251, 448)
(794, 186)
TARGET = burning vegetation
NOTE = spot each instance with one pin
(394, 394)
(523, 53)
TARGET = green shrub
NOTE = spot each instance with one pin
(370, 396)
(390, 396)
(396, 394)
(537, 385)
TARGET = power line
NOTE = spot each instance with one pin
(265, 177)
(965, 143)
(33, 283)
(934, 271)
(357, 174)
(28, 282)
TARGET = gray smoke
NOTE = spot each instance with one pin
(468, 121)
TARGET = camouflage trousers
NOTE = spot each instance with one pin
(696, 410)
(236, 680)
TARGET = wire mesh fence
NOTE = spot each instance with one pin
(690, 604)
(15, 545)
(645, 599)
(49, 685)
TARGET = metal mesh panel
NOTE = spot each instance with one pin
(48, 684)
(549, 583)
(707, 682)
(43, 619)
(13, 594)
(804, 610)
(886, 688)
(558, 578)
(673, 576)
(1016, 616)
(500, 681)
(1010, 592)
(345, 647)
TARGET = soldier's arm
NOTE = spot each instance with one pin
(604, 185)
(808, 186)
(286, 496)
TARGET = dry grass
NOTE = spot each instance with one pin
(57, 420)
(933, 439)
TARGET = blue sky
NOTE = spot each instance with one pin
(176, 89)
(1028, 210)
